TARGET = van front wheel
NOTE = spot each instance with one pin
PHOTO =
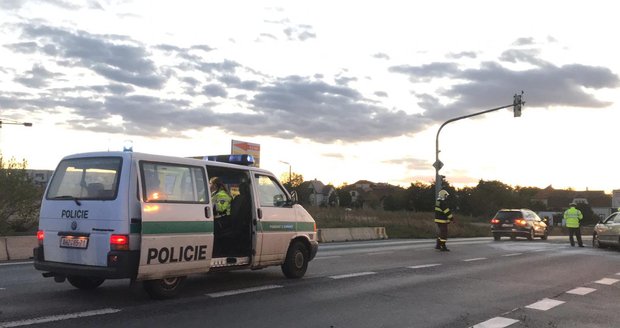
(163, 288)
(85, 283)
(296, 262)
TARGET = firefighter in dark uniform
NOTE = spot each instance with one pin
(443, 217)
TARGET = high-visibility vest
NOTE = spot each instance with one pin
(221, 201)
(442, 212)
(572, 217)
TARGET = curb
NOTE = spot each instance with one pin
(17, 247)
(347, 234)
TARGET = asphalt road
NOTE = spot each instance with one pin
(395, 283)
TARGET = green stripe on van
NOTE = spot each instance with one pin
(277, 226)
(305, 226)
(167, 227)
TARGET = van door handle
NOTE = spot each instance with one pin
(208, 212)
(260, 213)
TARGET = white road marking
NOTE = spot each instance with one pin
(607, 281)
(243, 291)
(513, 254)
(53, 318)
(380, 253)
(2, 288)
(327, 257)
(15, 263)
(423, 266)
(475, 259)
(545, 304)
(581, 291)
(351, 275)
(497, 322)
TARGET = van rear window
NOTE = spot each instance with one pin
(93, 178)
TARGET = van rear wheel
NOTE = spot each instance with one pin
(161, 289)
(85, 283)
(296, 262)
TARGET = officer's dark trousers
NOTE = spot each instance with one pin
(577, 232)
(442, 235)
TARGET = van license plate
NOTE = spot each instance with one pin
(74, 242)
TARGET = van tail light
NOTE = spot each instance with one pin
(494, 221)
(40, 237)
(119, 242)
(520, 222)
(314, 226)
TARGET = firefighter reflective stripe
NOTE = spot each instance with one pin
(442, 212)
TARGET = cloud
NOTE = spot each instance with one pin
(492, 84)
(426, 72)
(411, 163)
(381, 55)
(464, 54)
(309, 107)
(306, 108)
(214, 90)
(114, 57)
(37, 77)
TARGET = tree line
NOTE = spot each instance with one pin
(480, 201)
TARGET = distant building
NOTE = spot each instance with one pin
(40, 177)
(558, 200)
(367, 194)
(615, 199)
(315, 193)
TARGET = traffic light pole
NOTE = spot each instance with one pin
(517, 103)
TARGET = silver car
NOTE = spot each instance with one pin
(607, 232)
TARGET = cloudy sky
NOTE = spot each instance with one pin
(341, 90)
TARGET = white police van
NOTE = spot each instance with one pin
(150, 218)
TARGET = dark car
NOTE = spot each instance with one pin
(518, 223)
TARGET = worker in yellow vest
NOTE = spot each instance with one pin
(221, 197)
(573, 218)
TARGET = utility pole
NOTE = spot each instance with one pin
(6, 122)
(290, 173)
(517, 104)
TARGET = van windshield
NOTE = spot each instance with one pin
(88, 178)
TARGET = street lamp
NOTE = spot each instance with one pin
(13, 123)
(516, 105)
(290, 173)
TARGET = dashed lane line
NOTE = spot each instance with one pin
(545, 304)
(423, 266)
(327, 257)
(53, 318)
(242, 291)
(381, 253)
(580, 291)
(497, 322)
(352, 275)
(512, 254)
(607, 281)
(475, 259)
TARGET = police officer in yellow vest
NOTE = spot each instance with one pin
(443, 217)
(573, 217)
(221, 198)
